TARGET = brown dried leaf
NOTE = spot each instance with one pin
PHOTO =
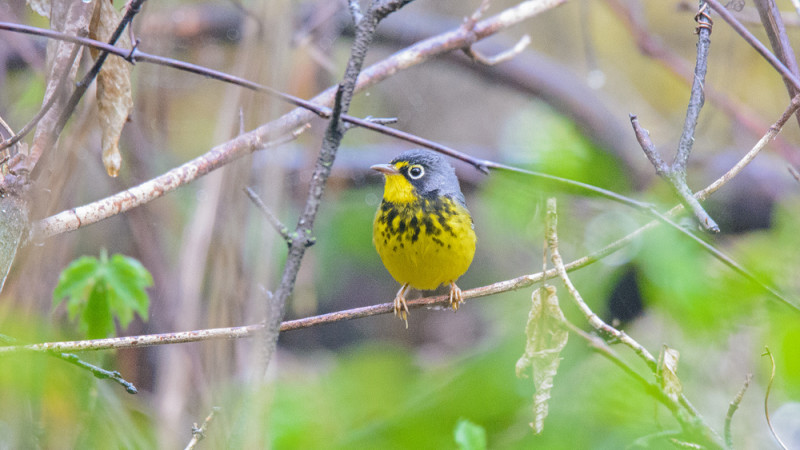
(114, 97)
(546, 338)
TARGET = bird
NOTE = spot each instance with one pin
(422, 231)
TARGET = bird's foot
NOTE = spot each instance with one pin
(456, 297)
(400, 305)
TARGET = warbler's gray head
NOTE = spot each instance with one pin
(427, 172)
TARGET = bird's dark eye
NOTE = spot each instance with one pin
(416, 172)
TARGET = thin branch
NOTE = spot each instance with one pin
(697, 96)
(776, 32)
(676, 178)
(608, 332)
(199, 433)
(755, 43)
(98, 372)
(271, 218)
(57, 93)
(734, 405)
(501, 57)
(611, 334)
(600, 346)
(794, 173)
(654, 48)
(365, 32)
(766, 398)
(74, 218)
(675, 173)
(355, 11)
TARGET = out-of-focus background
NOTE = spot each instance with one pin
(560, 107)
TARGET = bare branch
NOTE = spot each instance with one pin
(611, 334)
(276, 224)
(72, 219)
(98, 372)
(755, 43)
(507, 55)
(734, 405)
(675, 173)
(199, 433)
(779, 41)
(302, 236)
(56, 94)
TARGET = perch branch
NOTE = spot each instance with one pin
(439, 301)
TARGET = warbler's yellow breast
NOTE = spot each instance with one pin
(422, 241)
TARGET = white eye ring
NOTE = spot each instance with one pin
(416, 172)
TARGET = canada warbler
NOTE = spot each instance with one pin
(422, 230)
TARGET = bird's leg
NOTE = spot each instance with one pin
(456, 298)
(400, 305)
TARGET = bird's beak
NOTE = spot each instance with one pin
(386, 169)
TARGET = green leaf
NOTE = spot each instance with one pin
(546, 339)
(97, 319)
(76, 280)
(469, 436)
(100, 290)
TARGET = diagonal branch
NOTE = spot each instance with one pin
(778, 40)
(755, 43)
(694, 423)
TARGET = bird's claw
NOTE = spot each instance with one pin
(400, 306)
(456, 297)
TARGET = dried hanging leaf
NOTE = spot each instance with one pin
(114, 98)
(546, 338)
(668, 368)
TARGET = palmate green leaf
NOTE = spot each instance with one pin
(102, 289)
(469, 436)
(546, 338)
